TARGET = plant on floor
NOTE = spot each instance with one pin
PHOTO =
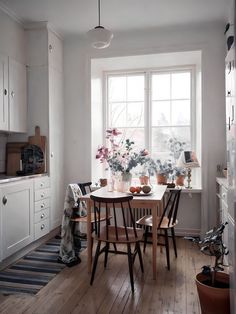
(212, 283)
(212, 245)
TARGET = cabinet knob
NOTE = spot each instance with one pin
(42, 205)
(50, 48)
(12, 94)
(5, 91)
(42, 195)
(4, 200)
(42, 226)
(42, 216)
(41, 184)
(228, 93)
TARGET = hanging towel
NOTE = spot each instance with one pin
(67, 253)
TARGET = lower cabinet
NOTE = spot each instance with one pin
(24, 213)
(41, 207)
(17, 216)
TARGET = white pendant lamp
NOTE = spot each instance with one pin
(99, 36)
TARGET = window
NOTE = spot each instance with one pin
(152, 106)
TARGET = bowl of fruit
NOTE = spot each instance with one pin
(140, 190)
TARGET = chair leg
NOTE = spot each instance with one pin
(145, 239)
(167, 249)
(173, 239)
(115, 248)
(140, 256)
(130, 260)
(106, 254)
(95, 262)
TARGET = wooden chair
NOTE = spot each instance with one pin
(167, 221)
(113, 232)
(85, 189)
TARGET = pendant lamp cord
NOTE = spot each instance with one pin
(98, 12)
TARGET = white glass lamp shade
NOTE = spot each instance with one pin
(100, 37)
(188, 159)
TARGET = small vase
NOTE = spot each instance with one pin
(161, 179)
(144, 180)
(180, 180)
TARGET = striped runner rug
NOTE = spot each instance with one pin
(33, 271)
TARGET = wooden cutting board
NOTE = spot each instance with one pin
(40, 141)
(13, 157)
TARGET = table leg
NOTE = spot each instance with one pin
(154, 240)
(89, 238)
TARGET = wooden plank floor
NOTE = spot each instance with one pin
(174, 291)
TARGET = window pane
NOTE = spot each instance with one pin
(160, 86)
(180, 85)
(135, 114)
(117, 88)
(181, 112)
(117, 114)
(135, 88)
(160, 136)
(160, 113)
(135, 134)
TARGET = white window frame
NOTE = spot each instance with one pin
(147, 98)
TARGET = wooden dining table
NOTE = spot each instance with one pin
(152, 201)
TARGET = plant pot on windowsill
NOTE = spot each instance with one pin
(180, 180)
(144, 180)
(161, 179)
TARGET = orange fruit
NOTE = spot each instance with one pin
(138, 189)
(132, 189)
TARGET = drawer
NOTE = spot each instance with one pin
(41, 194)
(223, 193)
(41, 228)
(42, 204)
(40, 216)
(41, 183)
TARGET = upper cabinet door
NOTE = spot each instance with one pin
(3, 93)
(17, 97)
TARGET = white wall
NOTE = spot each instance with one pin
(207, 38)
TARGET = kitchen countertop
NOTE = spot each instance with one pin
(7, 179)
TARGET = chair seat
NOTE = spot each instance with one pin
(147, 221)
(84, 219)
(121, 235)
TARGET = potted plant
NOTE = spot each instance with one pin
(163, 170)
(180, 174)
(212, 283)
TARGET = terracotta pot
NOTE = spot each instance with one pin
(180, 180)
(161, 179)
(144, 180)
(212, 299)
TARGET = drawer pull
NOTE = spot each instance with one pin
(4, 200)
(42, 216)
(42, 205)
(43, 194)
(42, 226)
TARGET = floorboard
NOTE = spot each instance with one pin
(174, 291)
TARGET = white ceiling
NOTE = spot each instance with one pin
(78, 16)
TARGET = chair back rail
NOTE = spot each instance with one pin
(121, 208)
(171, 208)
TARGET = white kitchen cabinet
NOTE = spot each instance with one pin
(3, 93)
(41, 207)
(17, 216)
(46, 107)
(17, 97)
(222, 214)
